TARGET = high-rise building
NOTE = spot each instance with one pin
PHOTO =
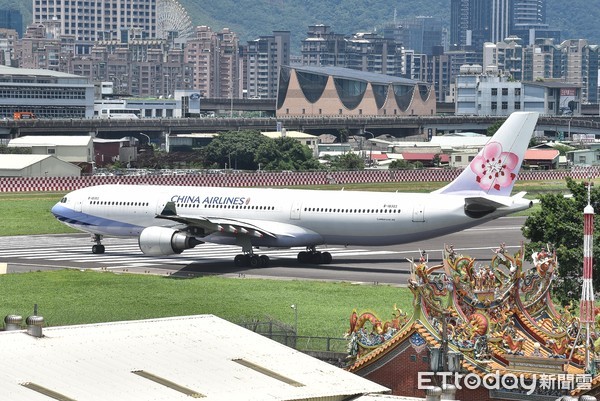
(364, 51)
(264, 56)
(505, 56)
(215, 62)
(474, 22)
(542, 61)
(97, 20)
(12, 19)
(323, 48)
(421, 34)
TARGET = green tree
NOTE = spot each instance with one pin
(400, 164)
(236, 149)
(347, 161)
(559, 222)
(285, 154)
(494, 127)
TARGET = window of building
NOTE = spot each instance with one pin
(582, 159)
(494, 105)
(504, 91)
(517, 105)
(517, 91)
(504, 105)
(494, 91)
(51, 151)
(458, 159)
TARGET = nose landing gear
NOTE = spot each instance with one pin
(98, 248)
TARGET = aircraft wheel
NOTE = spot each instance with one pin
(97, 249)
(264, 261)
(254, 261)
(316, 258)
(326, 258)
(239, 260)
(303, 257)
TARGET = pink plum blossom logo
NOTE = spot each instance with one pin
(494, 168)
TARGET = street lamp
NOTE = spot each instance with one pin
(141, 133)
(371, 149)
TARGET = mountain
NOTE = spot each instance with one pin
(251, 18)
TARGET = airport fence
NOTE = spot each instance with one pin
(269, 179)
(286, 335)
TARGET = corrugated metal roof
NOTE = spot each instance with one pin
(19, 162)
(50, 140)
(541, 154)
(167, 359)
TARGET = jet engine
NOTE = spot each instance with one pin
(165, 241)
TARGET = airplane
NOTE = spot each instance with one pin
(167, 220)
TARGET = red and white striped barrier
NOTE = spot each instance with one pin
(66, 184)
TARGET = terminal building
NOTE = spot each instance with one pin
(338, 92)
(45, 93)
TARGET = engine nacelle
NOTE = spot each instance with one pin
(165, 241)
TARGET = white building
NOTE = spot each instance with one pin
(73, 149)
(13, 165)
(172, 359)
(493, 93)
(45, 93)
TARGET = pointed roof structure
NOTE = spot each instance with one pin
(494, 318)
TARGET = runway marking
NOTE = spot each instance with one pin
(125, 256)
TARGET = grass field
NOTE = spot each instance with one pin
(74, 297)
(69, 297)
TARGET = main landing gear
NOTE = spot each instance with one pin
(251, 260)
(311, 255)
(98, 248)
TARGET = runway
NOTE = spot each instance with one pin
(353, 264)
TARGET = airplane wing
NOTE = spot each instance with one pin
(489, 203)
(214, 224)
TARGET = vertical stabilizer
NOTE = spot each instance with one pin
(495, 168)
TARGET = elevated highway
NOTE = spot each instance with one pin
(397, 126)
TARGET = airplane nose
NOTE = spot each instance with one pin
(56, 209)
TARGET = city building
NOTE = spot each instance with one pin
(492, 92)
(323, 48)
(263, 58)
(505, 56)
(363, 51)
(214, 60)
(580, 67)
(311, 141)
(8, 39)
(12, 19)
(90, 22)
(76, 149)
(419, 34)
(542, 61)
(335, 91)
(45, 93)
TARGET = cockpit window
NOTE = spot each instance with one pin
(63, 200)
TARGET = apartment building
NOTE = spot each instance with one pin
(90, 22)
(264, 56)
(214, 59)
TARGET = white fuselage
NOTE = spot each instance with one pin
(296, 217)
